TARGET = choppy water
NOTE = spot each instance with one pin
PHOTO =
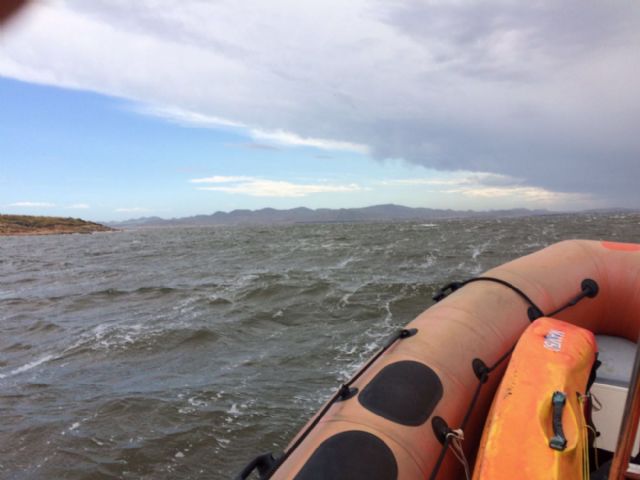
(182, 353)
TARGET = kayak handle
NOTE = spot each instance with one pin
(558, 441)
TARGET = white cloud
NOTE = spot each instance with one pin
(131, 210)
(523, 194)
(278, 137)
(32, 205)
(490, 186)
(460, 178)
(489, 86)
(184, 117)
(281, 137)
(78, 206)
(258, 187)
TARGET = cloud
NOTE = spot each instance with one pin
(32, 205)
(483, 185)
(278, 137)
(459, 178)
(185, 117)
(258, 187)
(540, 91)
(78, 206)
(291, 139)
(260, 146)
(131, 210)
(524, 194)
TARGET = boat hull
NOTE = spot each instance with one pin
(477, 325)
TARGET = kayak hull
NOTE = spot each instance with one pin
(536, 425)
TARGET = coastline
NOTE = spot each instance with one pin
(24, 225)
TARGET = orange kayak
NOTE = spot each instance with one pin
(536, 425)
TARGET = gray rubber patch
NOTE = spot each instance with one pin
(351, 455)
(404, 392)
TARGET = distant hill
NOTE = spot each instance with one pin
(31, 225)
(376, 213)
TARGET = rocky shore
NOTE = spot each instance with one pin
(32, 225)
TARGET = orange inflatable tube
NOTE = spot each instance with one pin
(397, 417)
(536, 425)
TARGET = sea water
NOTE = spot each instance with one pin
(183, 353)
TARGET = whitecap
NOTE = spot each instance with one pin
(345, 262)
(27, 366)
(429, 262)
(344, 301)
(193, 401)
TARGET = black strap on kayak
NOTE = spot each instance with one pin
(558, 402)
(345, 392)
(442, 431)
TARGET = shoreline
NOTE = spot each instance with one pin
(26, 225)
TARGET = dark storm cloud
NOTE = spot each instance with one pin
(558, 101)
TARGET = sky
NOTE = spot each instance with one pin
(111, 109)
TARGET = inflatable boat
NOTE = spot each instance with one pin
(417, 409)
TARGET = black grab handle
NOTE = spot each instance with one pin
(264, 463)
(558, 441)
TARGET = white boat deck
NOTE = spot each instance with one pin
(610, 388)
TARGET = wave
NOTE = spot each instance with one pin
(43, 326)
(196, 337)
(147, 293)
(26, 367)
(138, 337)
(153, 291)
(17, 347)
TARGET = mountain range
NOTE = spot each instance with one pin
(375, 213)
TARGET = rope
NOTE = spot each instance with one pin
(472, 405)
(582, 401)
(457, 436)
(524, 296)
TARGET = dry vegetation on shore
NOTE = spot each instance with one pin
(32, 225)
